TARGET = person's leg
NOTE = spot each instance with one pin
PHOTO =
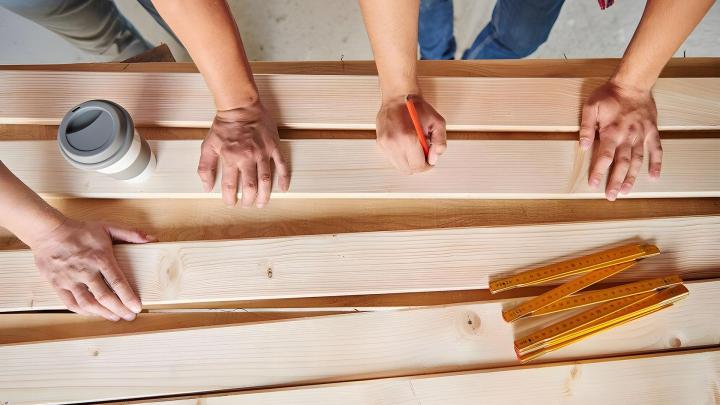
(150, 8)
(95, 26)
(517, 29)
(435, 29)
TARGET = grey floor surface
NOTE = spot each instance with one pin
(333, 29)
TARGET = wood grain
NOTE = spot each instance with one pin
(322, 101)
(322, 349)
(356, 169)
(374, 262)
(604, 67)
(684, 377)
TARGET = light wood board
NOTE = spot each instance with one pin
(345, 101)
(323, 349)
(678, 378)
(374, 262)
(357, 169)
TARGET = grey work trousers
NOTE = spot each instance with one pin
(95, 26)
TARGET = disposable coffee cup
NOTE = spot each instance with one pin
(100, 136)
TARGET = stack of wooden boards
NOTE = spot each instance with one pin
(269, 314)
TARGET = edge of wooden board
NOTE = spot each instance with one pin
(676, 67)
(266, 396)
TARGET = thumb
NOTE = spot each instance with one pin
(588, 123)
(127, 234)
(438, 140)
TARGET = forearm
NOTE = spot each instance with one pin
(392, 27)
(22, 211)
(664, 26)
(208, 31)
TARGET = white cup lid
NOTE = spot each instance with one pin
(95, 134)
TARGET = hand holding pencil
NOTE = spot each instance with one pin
(411, 133)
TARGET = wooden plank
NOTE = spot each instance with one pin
(322, 102)
(681, 377)
(373, 262)
(356, 169)
(604, 67)
(322, 349)
(44, 327)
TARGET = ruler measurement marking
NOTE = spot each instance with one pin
(562, 291)
(608, 313)
(570, 267)
(600, 296)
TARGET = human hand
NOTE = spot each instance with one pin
(398, 140)
(77, 259)
(246, 141)
(626, 119)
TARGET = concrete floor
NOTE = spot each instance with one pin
(333, 29)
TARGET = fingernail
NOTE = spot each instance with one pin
(612, 195)
(151, 238)
(625, 188)
(114, 318)
(207, 187)
(135, 307)
(129, 317)
(585, 144)
(594, 182)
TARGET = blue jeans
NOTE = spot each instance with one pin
(517, 29)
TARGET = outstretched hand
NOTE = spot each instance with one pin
(77, 259)
(397, 138)
(246, 142)
(626, 120)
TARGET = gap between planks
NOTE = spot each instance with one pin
(209, 219)
(600, 67)
(49, 132)
(324, 349)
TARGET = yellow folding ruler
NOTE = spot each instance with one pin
(613, 306)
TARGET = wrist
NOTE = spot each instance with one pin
(626, 78)
(245, 113)
(242, 97)
(629, 88)
(44, 223)
(398, 87)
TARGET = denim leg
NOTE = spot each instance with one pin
(435, 29)
(91, 25)
(516, 30)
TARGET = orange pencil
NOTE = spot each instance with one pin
(416, 123)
